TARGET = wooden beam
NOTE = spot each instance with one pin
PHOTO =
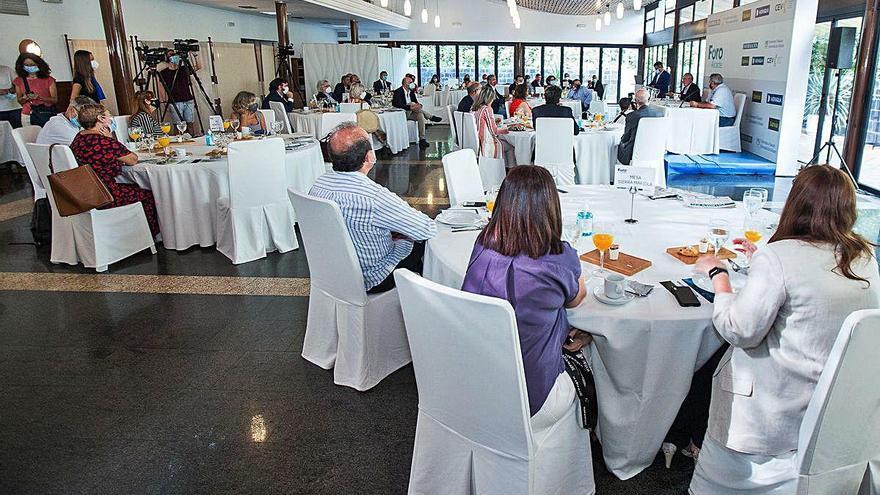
(117, 49)
(864, 73)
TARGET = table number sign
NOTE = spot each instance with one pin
(642, 178)
(215, 122)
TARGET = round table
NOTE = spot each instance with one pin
(645, 352)
(574, 105)
(186, 193)
(595, 152)
(391, 121)
(692, 131)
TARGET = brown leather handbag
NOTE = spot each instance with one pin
(77, 190)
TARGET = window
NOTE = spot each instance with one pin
(447, 63)
(428, 61)
(649, 20)
(412, 61)
(553, 61)
(532, 60)
(629, 67)
(571, 61)
(702, 9)
(690, 59)
(654, 54)
(610, 68)
(467, 62)
(722, 5)
(487, 60)
(505, 65)
(686, 15)
(591, 62)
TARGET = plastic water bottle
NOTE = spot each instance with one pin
(337, 108)
(209, 138)
(585, 227)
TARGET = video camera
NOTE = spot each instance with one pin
(152, 56)
(285, 51)
(183, 47)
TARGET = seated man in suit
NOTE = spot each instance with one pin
(552, 108)
(405, 99)
(641, 110)
(661, 79)
(721, 99)
(498, 105)
(467, 102)
(341, 87)
(279, 91)
(382, 85)
(689, 90)
(625, 105)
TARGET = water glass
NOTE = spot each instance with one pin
(719, 232)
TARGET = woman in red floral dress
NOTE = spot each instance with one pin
(95, 146)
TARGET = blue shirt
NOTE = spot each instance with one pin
(371, 213)
(582, 94)
(722, 98)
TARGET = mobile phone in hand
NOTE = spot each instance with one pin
(473, 204)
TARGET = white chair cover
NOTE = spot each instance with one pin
(97, 238)
(256, 217)
(122, 128)
(468, 130)
(650, 147)
(539, 90)
(463, 182)
(330, 120)
(554, 147)
(598, 106)
(429, 90)
(350, 107)
(280, 115)
(474, 433)
(412, 129)
(443, 98)
(728, 137)
(268, 119)
(361, 336)
(839, 441)
(450, 111)
(22, 137)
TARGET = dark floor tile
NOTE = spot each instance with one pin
(61, 467)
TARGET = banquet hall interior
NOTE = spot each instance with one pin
(439, 246)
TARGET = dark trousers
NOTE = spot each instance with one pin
(726, 121)
(13, 117)
(693, 418)
(413, 262)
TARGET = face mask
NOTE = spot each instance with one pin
(75, 123)
(252, 108)
(154, 103)
(383, 77)
(112, 125)
(95, 65)
(174, 59)
(31, 69)
(327, 90)
(412, 85)
(284, 89)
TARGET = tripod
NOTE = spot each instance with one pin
(153, 81)
(830, 144)
(285, 72)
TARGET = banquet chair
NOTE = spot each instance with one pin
(650, 147)
(256, 216)
(330, 120)
(268, 118)
(96, 238)
(598, 106)
(122, 128)
(453, 126)
(443, 99)
(429, 91)
(281, 116)
(473, 432)
(468, 131)
(554, 148)
(22, 137)
(462, 173)
(350, 107)
(492, 170)
(412, 130)
(361, 336)
(729, 138)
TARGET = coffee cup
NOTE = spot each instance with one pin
(614, 285)
(180, 152)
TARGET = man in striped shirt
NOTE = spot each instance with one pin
(386, 232)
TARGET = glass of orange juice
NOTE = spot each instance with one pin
(166, 127)
(603, 238)
(490, 199)
(754, 230)
(164, 141)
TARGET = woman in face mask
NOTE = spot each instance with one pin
(279, 90)
(96, 146)
(143, 116)
(35, 89)
(84, 81)
(325, 92)
(245, 110)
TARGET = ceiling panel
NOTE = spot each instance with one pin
(573, 7)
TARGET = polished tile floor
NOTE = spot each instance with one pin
(181, 373)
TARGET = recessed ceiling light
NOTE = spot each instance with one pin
(268, 13)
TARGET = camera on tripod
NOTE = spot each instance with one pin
(183, 47)
(285, 51)
(152, 56)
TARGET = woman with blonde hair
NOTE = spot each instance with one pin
(487, 128)
(245, 109)
(144, 105)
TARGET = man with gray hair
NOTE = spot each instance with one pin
(641, 109)
(62, 128)
(467, 102)
(721, 99)
(386, 232)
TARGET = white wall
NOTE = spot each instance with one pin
(485, 20)
(147, 19)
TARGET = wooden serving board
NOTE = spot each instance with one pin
(726, 254)
(625, 264)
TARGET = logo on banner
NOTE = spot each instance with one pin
(750, 46)
(713, 22)
(762, 11)
(745, 61)
(755, 120)
(747, 15)
(757, 96)
(757, 60)
(746, 138)
(774, 99)
(773, 124)
(716, 54)
(779, 7)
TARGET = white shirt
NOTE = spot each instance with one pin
(8, 101)
(722, 98)
(58, 130)
(781, 327)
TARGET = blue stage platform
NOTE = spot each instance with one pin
(744, 163)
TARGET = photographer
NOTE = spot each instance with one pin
(178, 84)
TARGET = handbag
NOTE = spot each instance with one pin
(77, 190)
(41, 222)
(325, 148)
(40, 114)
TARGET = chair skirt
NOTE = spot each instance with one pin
(722, 471)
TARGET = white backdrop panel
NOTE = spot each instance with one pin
(332, 61)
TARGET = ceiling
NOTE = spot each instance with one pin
(574, 7)
(296, 9)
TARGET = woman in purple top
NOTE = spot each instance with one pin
(519, 257)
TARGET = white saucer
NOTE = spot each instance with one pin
(599, 293)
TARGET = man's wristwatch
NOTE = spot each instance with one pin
(716, 270)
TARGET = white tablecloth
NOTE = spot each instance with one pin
(692, 131)
(186, 193)
(8, 150)
(645, 352)
(393, 123)
(595, 152)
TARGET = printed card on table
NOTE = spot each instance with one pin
(642, 178)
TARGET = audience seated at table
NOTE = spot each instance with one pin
(435, 81)
(467, 103)
(661, 79)
(358, 94)
(552, 108)
(721, 99)
(518, 80)
(689, 90)
(405, 99)
(537, 82)
(382, 85)
(641, 109)
(96, 146)
(324, 94)
(580, 93)
(246, 110)
(519, 105)
(341, 88)
(487, 128)
(551, 81)
(386, 232)
(814, 271)
(625, 105)
(142, 102)
(62, 128)
(279, 90)
(596, 85)
(498, 105)
(519, 257)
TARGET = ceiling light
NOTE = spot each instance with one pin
(598, 24)
(407, 8)
(247, 7)
(268, 13)
(437, 21)
(424, 16)
(384, 3)
(637, 4)
(620, 10)
(607, 18)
